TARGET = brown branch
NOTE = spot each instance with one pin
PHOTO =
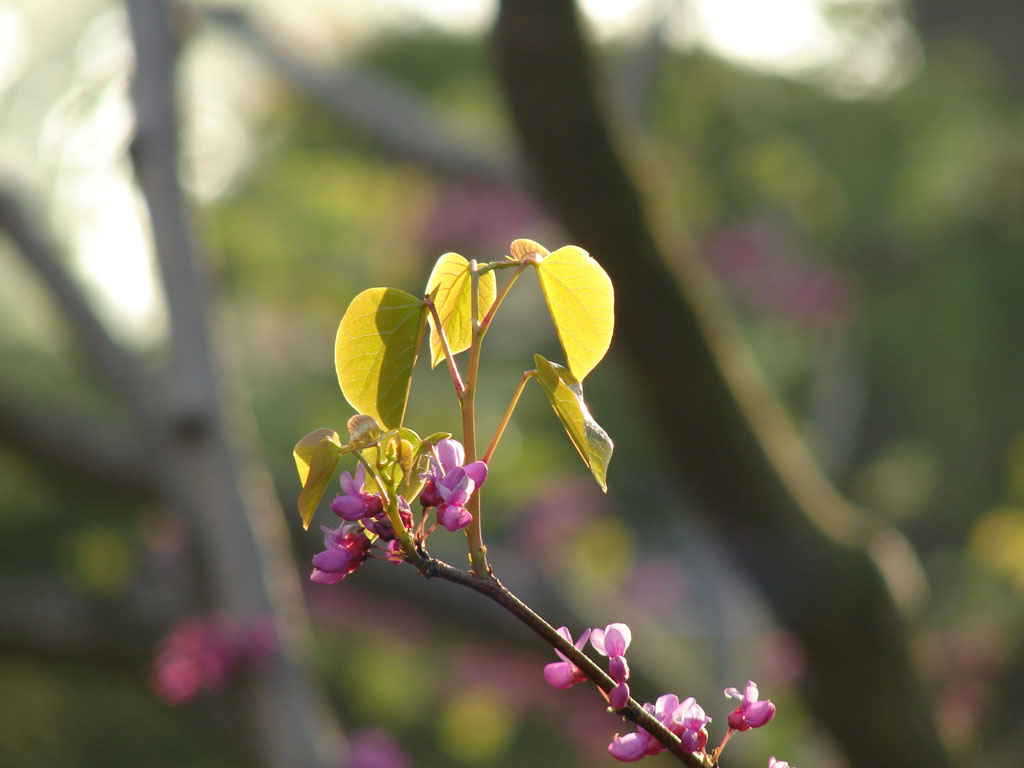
(60, 437)
(721, 428)
(107, 360)
(242, 538)
(394, 117)
(491, 588)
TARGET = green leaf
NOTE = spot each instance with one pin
(316, 457)
(581, 301)
(566, 397)
(375, 351)
(450, 286)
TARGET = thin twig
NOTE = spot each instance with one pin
(107, 360)
(491, 588)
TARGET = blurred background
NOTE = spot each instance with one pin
(851, 173)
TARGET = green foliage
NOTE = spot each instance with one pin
(316, 457)
(581, 301)
(450, 287)
(566, 397)
(375, 351)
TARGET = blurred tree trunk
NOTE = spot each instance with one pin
(720, 427)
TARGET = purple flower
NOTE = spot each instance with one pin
(448, 484)
(751, 713)
(688, 723)
(612, 641)
(564, 674)
(631, 747)
(619, 696)
(380, 523)
(685, 719)
(345, 549)
(354, 503)
(773, 763)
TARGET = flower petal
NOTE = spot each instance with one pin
(560, 674)
(451, 453)
(477, 472)
(628, 748)
(617, 637)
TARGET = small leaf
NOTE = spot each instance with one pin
(566, 397)
(450, 286)
(375, 351)
(523, 248)
(581, 301)
(316, 457)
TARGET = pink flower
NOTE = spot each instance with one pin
(564, 674)
(345, 549)
(773, 763)
(751, 713)
(688, 723)
(612, 641)
(354, 503)
(633, 746)
(619, 696)
(449, 485)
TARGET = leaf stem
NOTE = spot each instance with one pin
(527, 375)
(460, 388)
(474, 531)
(486, 322)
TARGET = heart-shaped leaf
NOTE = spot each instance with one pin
(450, 286)
(566, 397)
(581, 301)
(316, 457)
(375, 351)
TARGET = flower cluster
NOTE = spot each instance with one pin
(204, 653)
(686, 718)
(447, 486)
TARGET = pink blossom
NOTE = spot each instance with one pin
(688, 723)
(773, 763)
(619, 696)
(685, 719)
(345, 549)
(449, 485)
(564, 674)
(354, 503)
(751, 713)
(612, 641)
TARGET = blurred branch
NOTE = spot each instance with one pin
(108, 361)
(393, 116)
(74, 442)
(47, 619)
(245, 547)
(720, 425)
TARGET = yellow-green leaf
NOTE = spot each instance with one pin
(524, 247)
(566, 397)
(316, 457)
(581, 301)
(375, 351)
(450, 286)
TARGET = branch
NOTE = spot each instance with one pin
(724, 431)
(107, 360)
(46, 619)
(241, 535)
(392, 116)
(72, 441)
(491, 588)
